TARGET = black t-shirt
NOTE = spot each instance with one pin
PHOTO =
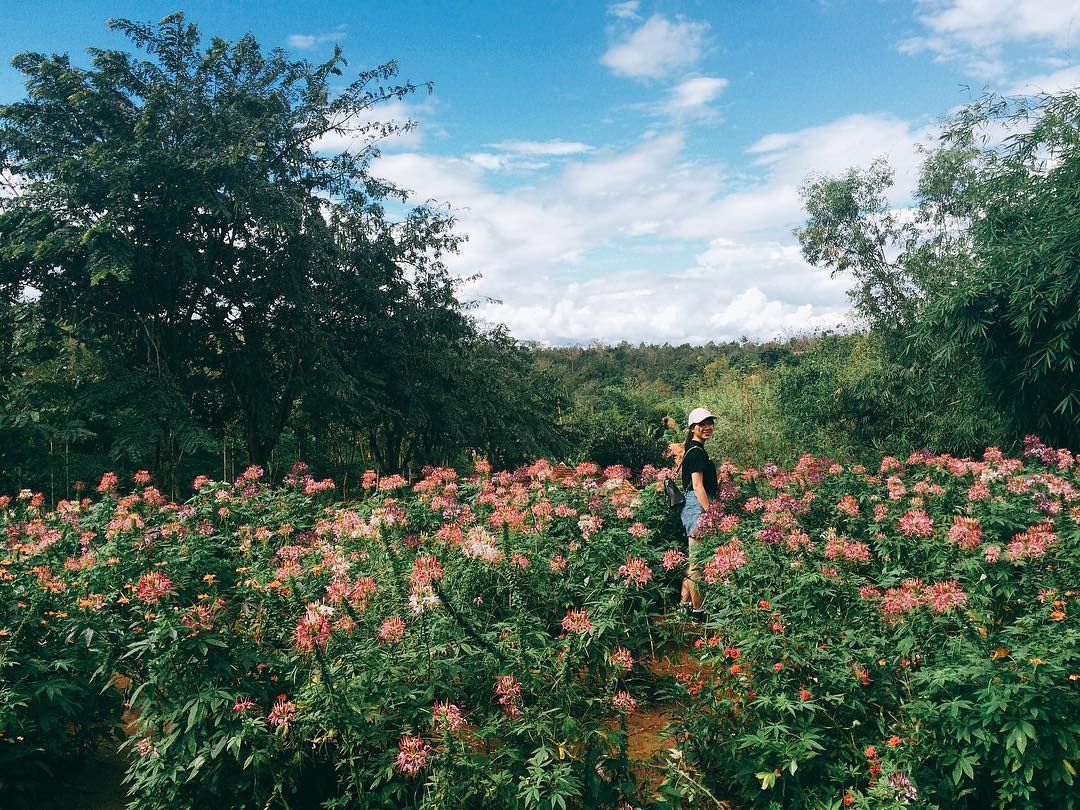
(697, 460)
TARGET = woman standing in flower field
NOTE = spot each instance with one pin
(699, 482)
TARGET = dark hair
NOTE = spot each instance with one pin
(689, 438)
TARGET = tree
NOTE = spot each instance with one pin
(851, 229)
(978, 289)
(177, 214)
(1018, 303)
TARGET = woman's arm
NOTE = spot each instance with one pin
(697, 479)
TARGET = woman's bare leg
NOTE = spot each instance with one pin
(690, 592)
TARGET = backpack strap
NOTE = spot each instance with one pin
(684, 455)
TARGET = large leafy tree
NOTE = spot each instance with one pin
(973, 291)
(1017, 304)
(175, 212)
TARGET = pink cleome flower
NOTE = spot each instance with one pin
(313, 630)
(1032, 543)
(621, 658)
(152, 586)
(895, 487)
(508, 693)
(943, 597)
(576, 621)
(673, 558)
(916, 523)
(727, 523)
(635, 572)
(867, 592)
(848, 505)
(361, 592)
(392, 630)
(624, 702)
(907, 597)
(965, 532)
(557, 564)
(843, 548)
(797, 538)
(447, 716)
(281, 713)
(108, 483)
(391, 482)
(412, 755)
(728, 557)
(426, 569)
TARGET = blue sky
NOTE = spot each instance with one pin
(629, 170)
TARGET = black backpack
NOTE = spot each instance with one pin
(672, 491)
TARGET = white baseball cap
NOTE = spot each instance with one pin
(698, 415)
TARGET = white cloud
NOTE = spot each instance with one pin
(526, 156)
(832, 148)
(359, 134)
(625, 11)
(306, 42)
(973, 32)
(754, 315)
(555, 148)
(635, 170)
(779, 269)
(657, 48)
(1065, 78)
(692, 97)
(651, 228)
(631, 305)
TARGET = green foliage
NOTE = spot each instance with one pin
(1019, 307)
(975, 292)
(848, 397)
(208, 271)
(282, 649)
(850, 228)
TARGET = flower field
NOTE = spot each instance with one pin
(898, 636)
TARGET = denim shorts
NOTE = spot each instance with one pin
(691, 512)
